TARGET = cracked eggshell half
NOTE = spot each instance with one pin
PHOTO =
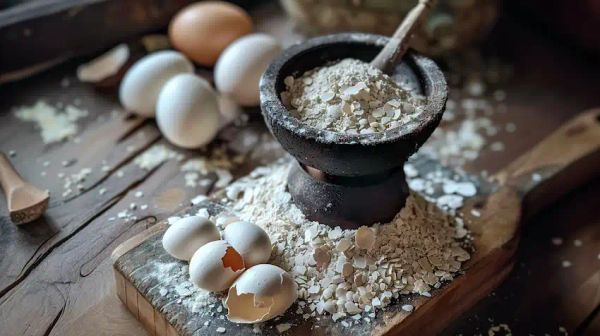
(187, 235)
(238, 70)
(144, 80)
(187, 111)
(263, 292)
(106, 69)
(215, 266)
(250, 240)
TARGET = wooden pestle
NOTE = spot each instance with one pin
(25, 202)
(398, 43)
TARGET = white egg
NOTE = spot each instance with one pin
(260, 294)
(250, 240)
(187, 235)
(187, 111)
(144, 80)
(238, 70)
(215, 266)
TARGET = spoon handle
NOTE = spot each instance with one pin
(398, 43)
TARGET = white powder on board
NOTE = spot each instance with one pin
(350, 96)
(414, 254)
(55, 124)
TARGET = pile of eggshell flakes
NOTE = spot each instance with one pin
(163, 84)
(234, 260)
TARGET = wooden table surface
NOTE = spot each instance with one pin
(55, 273)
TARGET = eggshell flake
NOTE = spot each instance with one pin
(144, 80)
(364, 238)
(215, 266)
(104, 66)
(261, 293)
(187, 111)
(250, 240)
(187, 235)
(203, 30)
(238, 70)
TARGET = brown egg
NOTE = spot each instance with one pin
(203, 30)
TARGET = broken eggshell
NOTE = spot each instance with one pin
(107, 65)
(187, 235)
(261, 293)
(250, 240)
(215, 266)
(364, 238)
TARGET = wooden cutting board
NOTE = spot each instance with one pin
(563, 161)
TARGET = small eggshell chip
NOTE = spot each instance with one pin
(187, 235)
(250, 240)
(104, 66)
(144, 80)
(215, 266)
(187, 111)
(263, 292)
(364, 238)
(238, 70)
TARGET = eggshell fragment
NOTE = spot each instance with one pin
(250, 240)
(203, 30)
(238, 70)
(104, 66)
(187, 111)
(364, 237)
(263, 292)
(215, 266)
(187, 235)
(144, 80)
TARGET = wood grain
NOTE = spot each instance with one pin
(563, 161)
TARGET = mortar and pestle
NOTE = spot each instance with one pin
(349, 180)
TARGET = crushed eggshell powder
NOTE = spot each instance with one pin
(350, 96)
(413, 254)
(55, 124)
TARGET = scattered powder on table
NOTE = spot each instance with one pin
(351, 97)
(55, 124)
(337, 274)
(155, 155)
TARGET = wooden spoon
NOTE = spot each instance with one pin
(398, 43)
(26, 203)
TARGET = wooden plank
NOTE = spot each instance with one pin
(137, 266)
(593, 328)
(541, 295)
(28, 31)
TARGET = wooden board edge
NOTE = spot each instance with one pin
(143, 311)
(136, 240)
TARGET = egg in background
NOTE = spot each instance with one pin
(187, 111)
(144, 81)
(204, 29)
(240, 66)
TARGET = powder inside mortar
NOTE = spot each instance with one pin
(351, 97)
